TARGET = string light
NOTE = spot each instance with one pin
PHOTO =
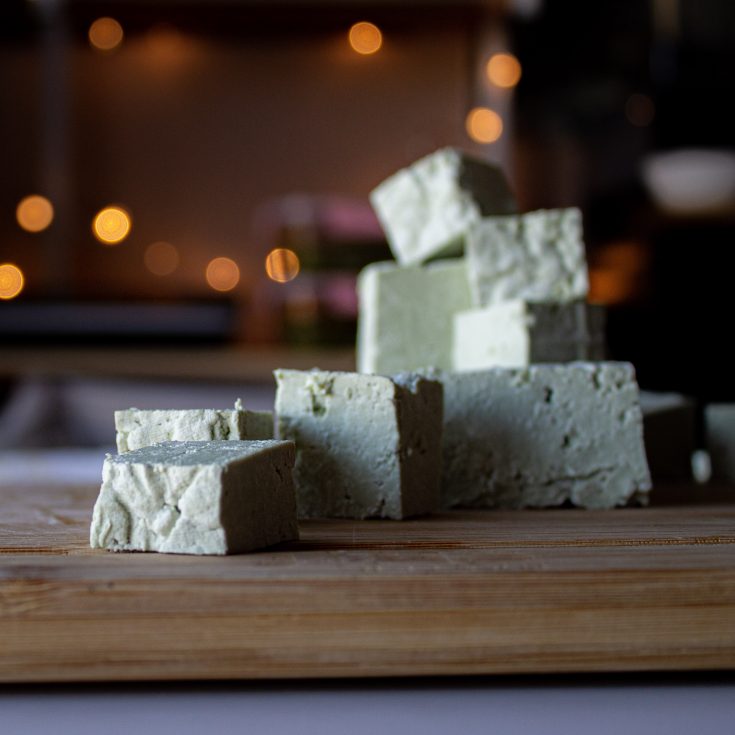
(365, 38)
(11, 281)
(34, 213)
(105, 34)
(222, 274)
(111, 225)
(161, 258)
(503, 70)
(484, 125)
(282, 265)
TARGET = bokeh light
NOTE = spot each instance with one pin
(484, 125)
(161, 258)
(111, 225)
(105, 34)
(365, 38)
(11, 281)
(34, 213)
(222, 274)
(282, 265)
(503, 70)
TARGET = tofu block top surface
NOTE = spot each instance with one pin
(426, 208)
(196, 453)
(538, 256)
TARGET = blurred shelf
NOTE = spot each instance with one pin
(204, 363)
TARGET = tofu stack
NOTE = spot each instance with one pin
(533, 417)
(202, 481)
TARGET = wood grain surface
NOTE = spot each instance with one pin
(456, 593)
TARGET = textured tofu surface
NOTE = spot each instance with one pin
(406, 314)
(367, 446)
(427, 208)
(217, 497)
(519, 333)
(537, 256)
(543, 436)
(138, 428)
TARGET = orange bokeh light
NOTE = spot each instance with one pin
(34, 213)
(161, 258)
(11, 281)
(222, 274)
(365, 38)
(503, 70)
(282, 265)
(111, 225)
(105, 34)
(484, 125)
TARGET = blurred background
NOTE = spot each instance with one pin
(183, 193)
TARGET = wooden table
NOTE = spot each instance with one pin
(456, 593)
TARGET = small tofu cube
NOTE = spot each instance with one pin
(218, 497)
(537, 256)
(367, 446)
(406, 313)
(427, 208)
(518, 333)
(543, 436)
(140, 428)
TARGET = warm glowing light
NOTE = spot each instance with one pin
(11, 281)
(111, 225)
(365, 38)
(503, 70)
(222, 274)
(105, 34)
(282, 265)
(34, 213)
(640, 110)
(161, 258)
(484, 125)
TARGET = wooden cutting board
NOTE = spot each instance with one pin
(456, 593)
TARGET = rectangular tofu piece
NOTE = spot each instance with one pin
(406, 314)
(719, 421)
(542, 436)
(670, 434)
(537, 256)
(367, 446)
(140, 428)
(427, 208)
(519, 333)
(216, 497)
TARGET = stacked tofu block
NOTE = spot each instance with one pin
(531, 418)
(202, 481)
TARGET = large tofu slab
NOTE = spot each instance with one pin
(219, 497)
(519, 333)
(367, 446)
(406, 314)
(427, 208)
(543, 436)
(138, 428)
(537, 256)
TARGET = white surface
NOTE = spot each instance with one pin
(505, 707)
